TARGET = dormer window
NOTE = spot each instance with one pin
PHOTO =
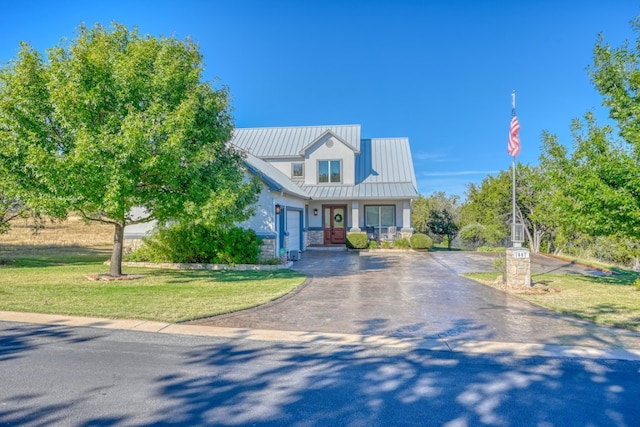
(329, 171)
(297, 170)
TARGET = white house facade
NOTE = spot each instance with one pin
(322, 182)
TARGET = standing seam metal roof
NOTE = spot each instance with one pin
(289, 141)
(273, 177)
(385, 160)
(383, 169)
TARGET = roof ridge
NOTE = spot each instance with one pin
(300, 126)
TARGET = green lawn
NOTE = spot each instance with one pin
(609, 300)
(58, 284)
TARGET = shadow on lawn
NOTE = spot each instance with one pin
(222, 276)
(50, 255)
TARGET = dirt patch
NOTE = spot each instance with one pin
(71, 232)
(535, 289)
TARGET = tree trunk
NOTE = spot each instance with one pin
(115, 269)
(537, 239)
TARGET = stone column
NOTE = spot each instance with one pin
(355, 217)
(406, 218)
(518, 268)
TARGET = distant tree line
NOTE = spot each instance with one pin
(580, 201)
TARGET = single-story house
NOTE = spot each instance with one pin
(322, 182)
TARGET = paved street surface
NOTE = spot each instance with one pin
(421, 295)
(64, 376)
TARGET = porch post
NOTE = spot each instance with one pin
(355, 217)
(406, 217)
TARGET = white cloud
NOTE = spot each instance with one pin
(430, 157)
(458, 173)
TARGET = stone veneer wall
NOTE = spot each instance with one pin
(130, 245)
(268, 249)
(316, 237)
(518, 268)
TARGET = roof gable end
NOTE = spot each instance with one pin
(272, 177)
(325, 136)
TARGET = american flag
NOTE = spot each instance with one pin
(514, 140)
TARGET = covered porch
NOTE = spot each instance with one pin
(331, 220)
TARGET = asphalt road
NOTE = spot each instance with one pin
(62, 376)
(58, 375)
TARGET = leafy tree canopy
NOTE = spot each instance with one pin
(437, 214)
(112, 120)
(600, 179)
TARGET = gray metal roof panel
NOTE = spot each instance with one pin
(273, 177)
(289, 141)
(324, 134)
(385, 160)
(399, 190)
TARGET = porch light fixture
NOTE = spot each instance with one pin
(315, 212)
(278, 209)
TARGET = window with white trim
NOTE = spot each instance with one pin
(329, 171)
(297, 170)
(381, 216)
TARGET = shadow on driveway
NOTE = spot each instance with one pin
(418, 295)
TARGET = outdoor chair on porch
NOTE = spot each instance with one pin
(371, 233)
(391, 234)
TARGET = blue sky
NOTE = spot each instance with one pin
(438, 72)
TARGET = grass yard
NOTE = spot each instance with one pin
(163, 295)
(46, 273)
(607, 300)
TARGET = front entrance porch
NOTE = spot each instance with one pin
(335, 228)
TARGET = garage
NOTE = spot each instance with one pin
(294, 227)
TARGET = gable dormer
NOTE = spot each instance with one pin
(329, 160)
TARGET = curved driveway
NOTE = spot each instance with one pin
(419, 295)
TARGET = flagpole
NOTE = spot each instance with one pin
(513, 182)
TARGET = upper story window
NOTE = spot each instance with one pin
(297, 170)
(329, 171)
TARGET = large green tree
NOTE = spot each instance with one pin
(599, 180)
(486, 214)
(113, 120)
(437, 215)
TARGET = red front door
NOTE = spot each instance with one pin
(335, 220)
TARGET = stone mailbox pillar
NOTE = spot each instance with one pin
(518, 268)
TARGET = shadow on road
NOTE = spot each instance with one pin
(242, 382)
(359, 386)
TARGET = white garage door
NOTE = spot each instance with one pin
(293, 228)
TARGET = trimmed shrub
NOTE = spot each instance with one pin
(401, 244)
(237, 246)
(357, 241)
(373, 244)
(197, 243)
(421, 241)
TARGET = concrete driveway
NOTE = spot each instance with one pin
(420, 295)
